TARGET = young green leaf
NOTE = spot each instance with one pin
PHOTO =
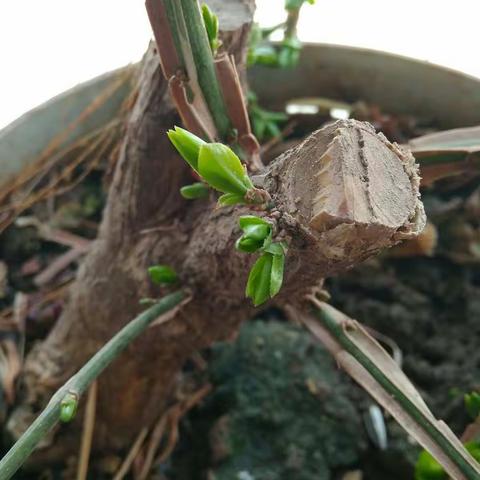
(276, 276)
(231, 199)
(187, 144)
(254, 238)
(162, 274)
(68, 407)
(289, 52)
(246, 221)
(260, 126)
(263, 55)
(222, 169)
(472, 404)
(211, 26)
(194, 191)
(247, 245)
(265, 278)
(277, 248)
(427, 468)
(265, 123)
(473, 449)
(258, 283)
(257, 234)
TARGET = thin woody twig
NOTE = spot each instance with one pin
(87, 434)
(237, 109)
(132, 454)
(57, 266)
(170, 418)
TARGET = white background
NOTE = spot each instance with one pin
(48, 46)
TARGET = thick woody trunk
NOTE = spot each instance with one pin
(341, 196)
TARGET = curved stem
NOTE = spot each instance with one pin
(77, 384)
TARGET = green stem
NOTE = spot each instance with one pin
(417, 415)
(202, 55)
(175, 20)
(77, 384)
(291, 23)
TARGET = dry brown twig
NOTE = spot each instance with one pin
(53, 147)
(87, 434)
(12, 346)
(90, 157)
(170, 419)
(132, 454)
(57, 266)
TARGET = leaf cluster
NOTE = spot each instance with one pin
(264, 122)
(266, 276)
(216, 164)
(221, 169)
(283, 55)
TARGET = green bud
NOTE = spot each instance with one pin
(253, 239)
(217, 164)
(248, 245)
(211, 26)
(472, 404)
(257, 234)
(162, 274)
(68, 407)
(194, 191)
(222, 169)
(187, 144)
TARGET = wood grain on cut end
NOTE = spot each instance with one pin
(354, 190)
(362, 179)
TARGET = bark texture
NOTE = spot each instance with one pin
(342, 195)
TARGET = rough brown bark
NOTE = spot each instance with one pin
(341, 196)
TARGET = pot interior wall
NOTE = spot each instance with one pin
(399, 85)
